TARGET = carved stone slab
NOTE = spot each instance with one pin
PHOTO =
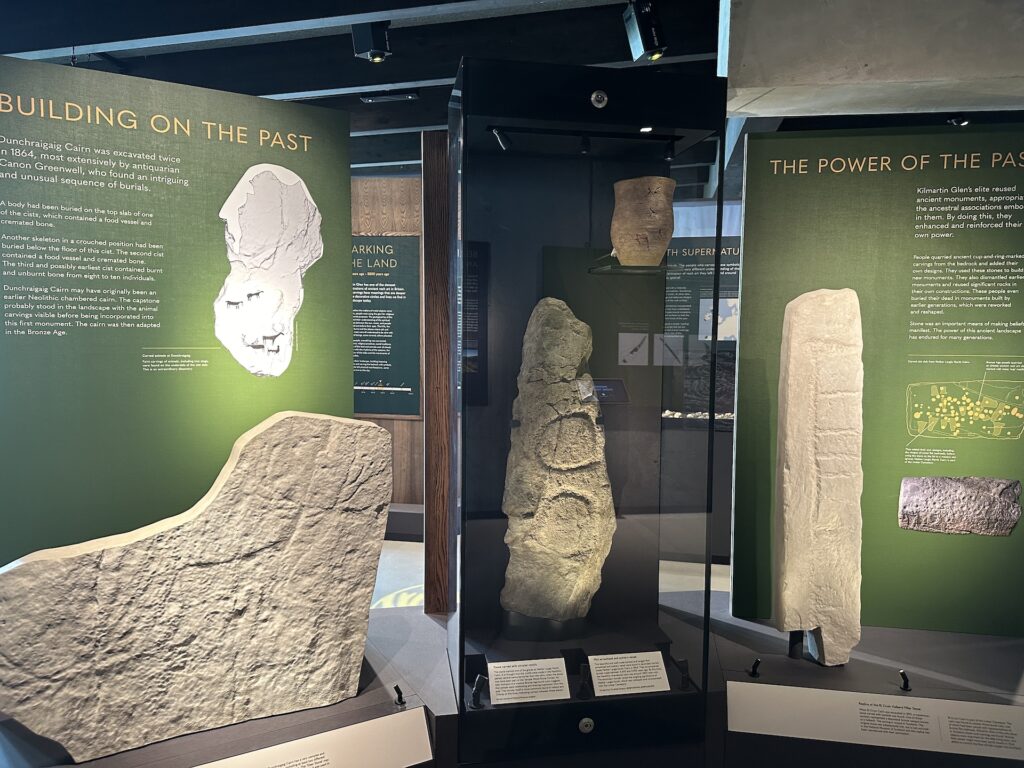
(818, 473)
(985, 505)
(557, 495)
(253, 603)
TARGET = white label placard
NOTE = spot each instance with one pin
(394, 741)
(516, 682)
(615, 674)
(906, 722)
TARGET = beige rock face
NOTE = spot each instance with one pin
(643, 220)
(818, 473)
(557, 496)
(985, 505)
(253, 603)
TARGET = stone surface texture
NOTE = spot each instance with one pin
(558, 499)
(818, 473)
(272, 234)
(643, 220)
(253, 603)
(985, 505)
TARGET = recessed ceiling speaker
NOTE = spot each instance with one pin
(370, 41)
(643, 30)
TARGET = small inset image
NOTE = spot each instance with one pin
(728, 320)
(668, 349)
(985, 505)
(966, 410)
(634, 349)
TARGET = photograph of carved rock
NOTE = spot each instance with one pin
(984, 505)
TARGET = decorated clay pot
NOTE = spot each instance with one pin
(642, 223)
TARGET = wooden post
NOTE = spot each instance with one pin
(439, 477)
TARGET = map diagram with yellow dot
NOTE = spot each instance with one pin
(992, 410)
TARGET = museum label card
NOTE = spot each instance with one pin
(885, 720)
(393, 741)
(516, 682)
(615, 674)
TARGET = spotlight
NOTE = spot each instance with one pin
(502, 139)
(646, 129)
(370, 41)
(959, 121)
(643, 30)
(584, 145)
(670, 152)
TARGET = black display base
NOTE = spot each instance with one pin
(941, 665)
(405, 523)
(547, 729)
(796, 644)
(531, 731)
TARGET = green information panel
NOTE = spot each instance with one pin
(175, 269)
(928, 228)
(386, 324)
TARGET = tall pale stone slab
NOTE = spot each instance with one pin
(985, 505)
(818, 473)
(557, 495)
(253, 603)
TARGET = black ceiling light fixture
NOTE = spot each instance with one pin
(386, 96)
(370, 41)
(584, 144)
(643, 30)
(960, 121)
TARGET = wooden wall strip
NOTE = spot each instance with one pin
(407, 467)
(439, 531)
(386, 206)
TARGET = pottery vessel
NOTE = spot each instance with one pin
(642, 223)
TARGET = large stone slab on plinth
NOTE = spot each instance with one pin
(986, 505)
(818, 473)
(253, 603)
(557, 495)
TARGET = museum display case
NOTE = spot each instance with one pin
(584, 399)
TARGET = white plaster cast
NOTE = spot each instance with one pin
(818, 473)
(272, 233)
(254, 602)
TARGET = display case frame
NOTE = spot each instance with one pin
(517, 132)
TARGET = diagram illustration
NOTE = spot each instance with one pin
(272, 234)
(980, 409)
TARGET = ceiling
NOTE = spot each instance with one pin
(302, 51)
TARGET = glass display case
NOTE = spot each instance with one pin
(583, 381)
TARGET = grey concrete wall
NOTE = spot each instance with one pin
(820, 57)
